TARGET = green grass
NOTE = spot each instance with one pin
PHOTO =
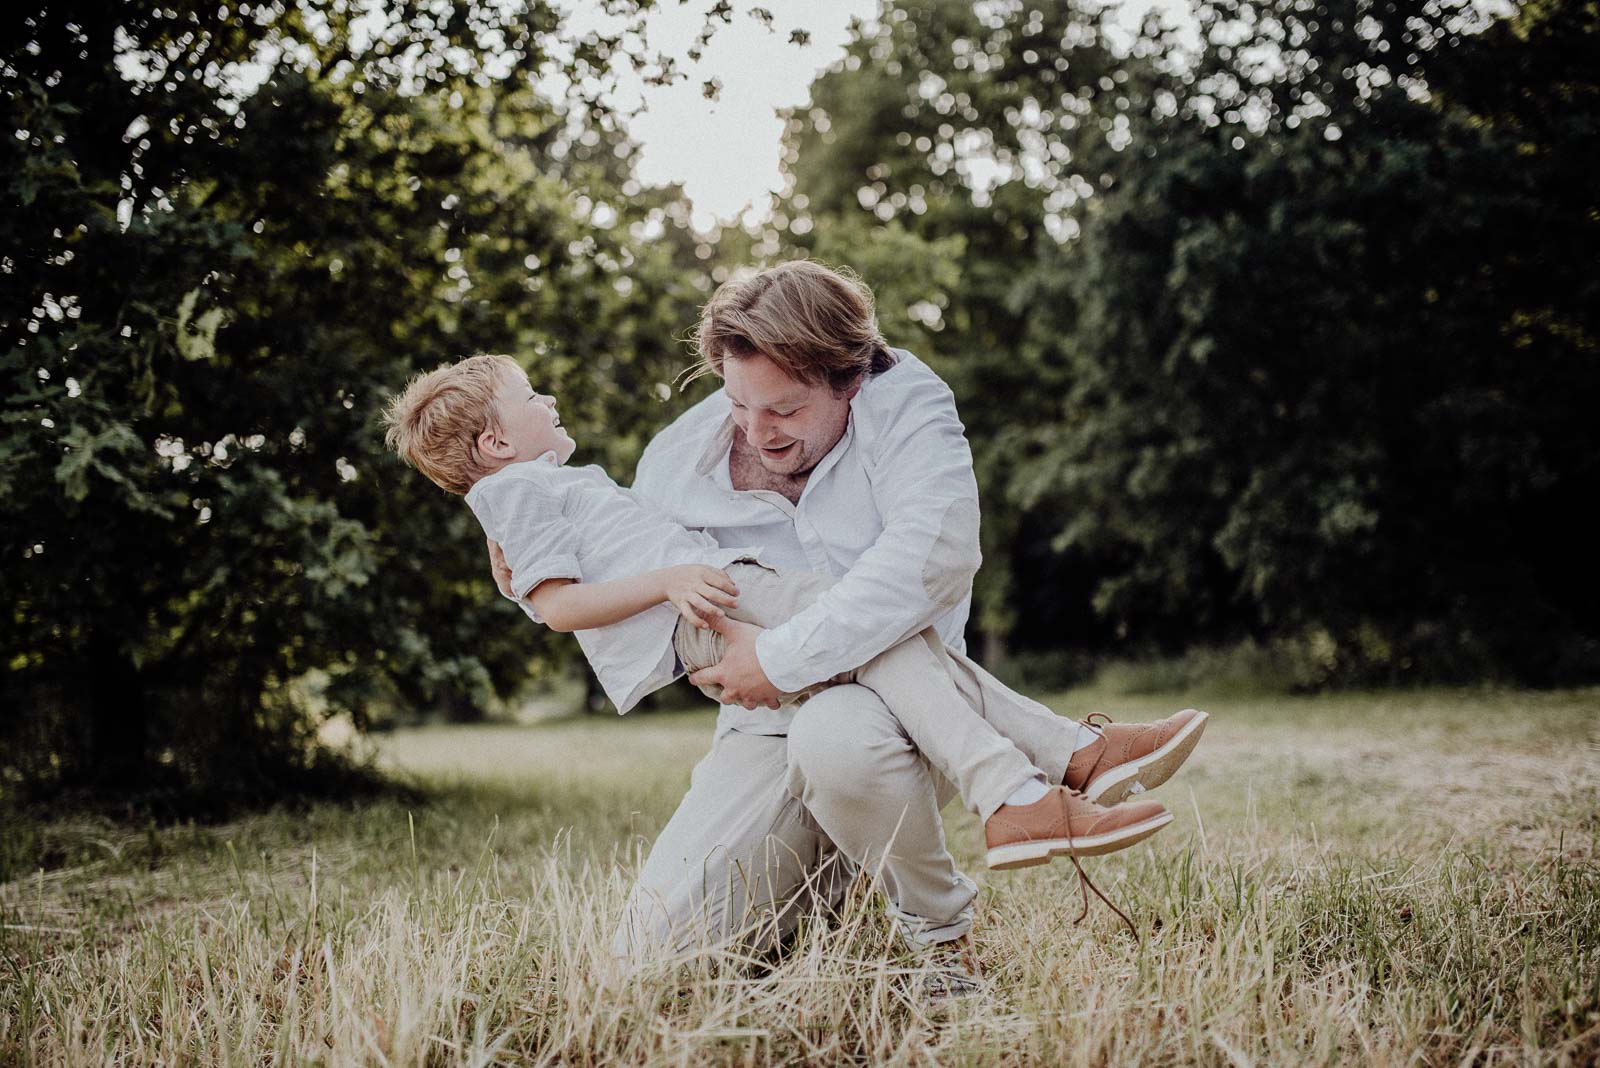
(1388, 878)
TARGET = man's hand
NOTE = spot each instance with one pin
(499, 567)
(739, 674)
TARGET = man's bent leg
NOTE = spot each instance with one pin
(733, 862)
(878, 799)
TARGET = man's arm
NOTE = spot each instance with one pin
(920, 566)
(696, 590)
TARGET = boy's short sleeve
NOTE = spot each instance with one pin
(539, 542)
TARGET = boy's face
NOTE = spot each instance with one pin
(790, 424)
(529, 424)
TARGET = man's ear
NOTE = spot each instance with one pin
(855, 387)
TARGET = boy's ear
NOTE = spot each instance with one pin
(492, 444)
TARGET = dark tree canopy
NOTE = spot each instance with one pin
(1287, 336)
(1290, 337)
(209, 286)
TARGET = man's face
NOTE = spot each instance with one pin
(529, 424)
(791, 425)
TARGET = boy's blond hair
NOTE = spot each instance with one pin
(435, 421)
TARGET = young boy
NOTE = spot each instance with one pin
(648, 599)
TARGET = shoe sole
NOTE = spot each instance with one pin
(1150, 770)
(1039, 851)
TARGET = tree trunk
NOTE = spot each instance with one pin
(595, 700)
(118, 718)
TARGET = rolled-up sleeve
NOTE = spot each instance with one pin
(920, 566)
(539, 542)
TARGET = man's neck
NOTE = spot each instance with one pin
(747, 472)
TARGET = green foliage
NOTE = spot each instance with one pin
(1290, 338)
(208, 290)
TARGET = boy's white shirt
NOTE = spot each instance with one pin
(575, 522)
(892, 508)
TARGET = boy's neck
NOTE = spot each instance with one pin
(492, 466)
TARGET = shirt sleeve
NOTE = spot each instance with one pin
(920, 566)
(539, 542)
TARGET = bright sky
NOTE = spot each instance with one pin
(725, 152)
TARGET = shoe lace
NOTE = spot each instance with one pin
(1086, 884)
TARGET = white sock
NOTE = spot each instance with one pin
(1087, 736)
(1029, 792)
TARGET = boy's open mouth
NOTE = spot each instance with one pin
(777, 451)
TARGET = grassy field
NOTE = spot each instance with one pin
(1402, 878)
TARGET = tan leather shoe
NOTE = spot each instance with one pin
(1062, 822)
(1130, 758)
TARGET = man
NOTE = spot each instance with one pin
(838, 455)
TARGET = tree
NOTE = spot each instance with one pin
(1289, 333)
(228, 238)
(964, 137)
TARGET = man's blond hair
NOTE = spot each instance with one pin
(435, 421)
(815, 322)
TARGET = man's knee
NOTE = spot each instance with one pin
(842, 737)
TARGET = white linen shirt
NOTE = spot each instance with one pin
(575, 522)
(892, 509)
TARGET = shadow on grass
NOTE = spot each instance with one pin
(77, 826)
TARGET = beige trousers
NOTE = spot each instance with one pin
(773, 825)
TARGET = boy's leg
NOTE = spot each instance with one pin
(1142, 754)
(926, 690)
(916, 680)
(740, 859)
(1107, 763)
(1048, 738)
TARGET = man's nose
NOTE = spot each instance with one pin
(760, 428)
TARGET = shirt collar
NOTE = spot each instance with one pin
(713, 460)
(715, 454)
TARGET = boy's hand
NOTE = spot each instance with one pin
(499, 567)
(697, 591)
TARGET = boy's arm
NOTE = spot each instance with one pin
(695, 589)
